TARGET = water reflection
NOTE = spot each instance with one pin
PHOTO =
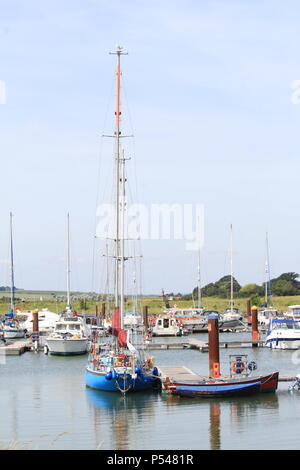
(215, 428)
(244, 407)
(226, 411)
(117, 418)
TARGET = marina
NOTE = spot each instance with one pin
(149, 288)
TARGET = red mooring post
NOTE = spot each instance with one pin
(97, 313)
(213, 345)
(254, 327)
(145, 316)
(249, 315)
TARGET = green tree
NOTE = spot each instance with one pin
(250, 289)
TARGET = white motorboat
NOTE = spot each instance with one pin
(264, 316)
(69, 337)
(283, 333)
(191, 318)
(293, 311)
(168, 326)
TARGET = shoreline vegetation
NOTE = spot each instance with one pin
(86, 303)
(285, 290)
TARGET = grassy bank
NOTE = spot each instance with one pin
(155, 304)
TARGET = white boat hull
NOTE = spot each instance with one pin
(13, 333)
(277, 343)
(67, 347)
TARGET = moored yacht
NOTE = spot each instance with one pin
(168, 326)
(283, 333)
(69, 337)
(293, 311)
(264, 316)
(10, 325)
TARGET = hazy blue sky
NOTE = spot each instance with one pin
(209, 88)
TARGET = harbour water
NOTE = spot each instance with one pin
(45, 405)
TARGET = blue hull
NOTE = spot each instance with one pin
(98, 381)
(218, 390)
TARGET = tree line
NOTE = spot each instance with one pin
(285, 284)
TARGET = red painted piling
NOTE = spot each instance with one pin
(145, 316)
(255, 336)
(213, 345)
(249, 315)
(96, 311)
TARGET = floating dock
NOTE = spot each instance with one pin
(15, 348)
(202, 346)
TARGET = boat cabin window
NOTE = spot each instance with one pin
(166, 323)
(159, 323)
(74, 327)
(287, 325)
(296, 311)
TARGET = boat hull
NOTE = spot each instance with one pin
(268, 383)
(68, 347)
(283, 343)
(13, 333)
(204, 391)
(97, 381)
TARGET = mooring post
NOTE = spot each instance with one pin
(103, 311)
(97, 314)
(35, 328)
(213, 345)
(254, 327)
(145, 316)
(249, 316)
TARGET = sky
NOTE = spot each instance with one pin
(208, 95)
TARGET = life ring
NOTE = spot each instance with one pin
(237, 367)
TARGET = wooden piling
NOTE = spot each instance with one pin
(213, 345)
(103, 307)
(255, 336)
(249, 316)
(35, 322)
(145, 316)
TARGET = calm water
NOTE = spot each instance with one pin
(45, 405)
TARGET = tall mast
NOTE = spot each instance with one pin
(268, 279)
(231, 271)
(68, 263)
(120, 195)
(199, 281)
(12, 287)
